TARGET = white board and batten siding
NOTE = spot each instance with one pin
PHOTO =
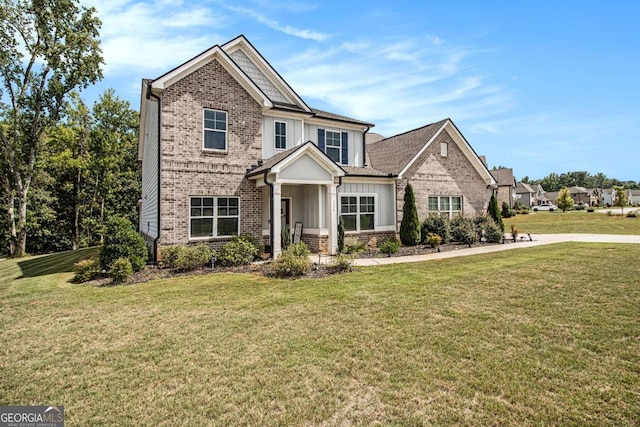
(385, 203)
(354, 141)
(149, 208)
(295, 136)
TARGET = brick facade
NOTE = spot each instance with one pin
(435, 175)
(188, 170)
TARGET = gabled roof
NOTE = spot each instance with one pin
(280, 160)
(504, 177)
(522, 187)
(395, 155)
(332, 116)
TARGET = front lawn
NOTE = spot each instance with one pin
(573, 222)
(540, 336)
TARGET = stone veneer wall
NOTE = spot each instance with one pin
(434, 175)
(188, 170)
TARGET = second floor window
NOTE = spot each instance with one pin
(333, 146)
(281, 135)
(215, 130)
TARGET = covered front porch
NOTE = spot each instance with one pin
(299, 199)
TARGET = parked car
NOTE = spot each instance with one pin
(545, 207)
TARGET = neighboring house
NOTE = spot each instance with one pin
(228, 147)
(588, 196)
(525, 194)
(506, 186)
(608, 196)
(633, 197)
(551, 196)
(539, 197)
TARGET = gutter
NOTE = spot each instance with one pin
(270, 184)
(155, 241)
(364, 147)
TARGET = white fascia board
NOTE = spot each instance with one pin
(336, 124)
(316, 155)
(215, 53)
(419, 153)
(283, 114)
(247, 48)
(369, 180)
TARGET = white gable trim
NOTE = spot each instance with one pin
(214, 53)
(241, 43)
(464, 147)
(313, 152)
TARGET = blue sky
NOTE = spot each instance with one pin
(537, 86)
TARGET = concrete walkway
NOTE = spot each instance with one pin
(538, 240)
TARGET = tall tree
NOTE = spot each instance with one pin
(410, 225)
(49, 48)
(494, 212)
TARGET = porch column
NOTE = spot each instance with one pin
(332, 220)
(276, 219)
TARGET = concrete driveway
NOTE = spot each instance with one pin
(538, 240)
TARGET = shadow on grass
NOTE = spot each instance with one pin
(61, 262)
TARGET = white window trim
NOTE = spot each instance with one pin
(214, 218)
(275, 135)
(451, 212)
(339, 147)
(444, 149)
(357, 214)
(205, 129)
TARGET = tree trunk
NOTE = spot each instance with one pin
(75, 239)
(21, 244)
(11, 213)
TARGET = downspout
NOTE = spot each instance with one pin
(155, 241)
(364, 147)
(270, 184)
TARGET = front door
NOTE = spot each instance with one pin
(285, 218)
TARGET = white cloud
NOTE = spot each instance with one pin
(287, 29)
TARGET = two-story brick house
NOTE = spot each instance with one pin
(228, 147)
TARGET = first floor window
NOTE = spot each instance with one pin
(215, 130)
(358, 212)
(214, 216)
(281, 135)
(333, 145)
(445, 205)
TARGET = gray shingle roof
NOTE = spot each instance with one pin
(504, 177)
(272, 161)
(327, 115)
(522, 187)
(392, 154)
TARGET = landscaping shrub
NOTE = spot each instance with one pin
(494, 212)
(86, 269)
(292, 262)
(492, 231)
(410, 225)
(340, 235)
(514, 232)
(120, 271)
(591, 210)
(462, 230)
(122, 241)
(389, 246)
(171, 255)
(433, 240)
(340, 262)
(436, 224)
(506, 211)
(353, 245)
(239, 251)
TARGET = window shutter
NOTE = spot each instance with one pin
(345, 148)
(321, 139)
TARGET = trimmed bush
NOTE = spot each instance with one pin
(410, 225)
(436, 224)
(340, 262)
(494, 212)
(353, 245)
(292, 262)
(86, 269)
(492, 232)
(121, 240)
(389, 246)
(462, 230)
(340, 235)
(433, 240)
(120, 270)
(239, 251)
(506, 211)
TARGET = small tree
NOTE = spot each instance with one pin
(494, 212)
(621, 197)
(564, 199)
(410, 225)
(122, 241)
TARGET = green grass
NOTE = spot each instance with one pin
(573, 222)
(540, 336)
